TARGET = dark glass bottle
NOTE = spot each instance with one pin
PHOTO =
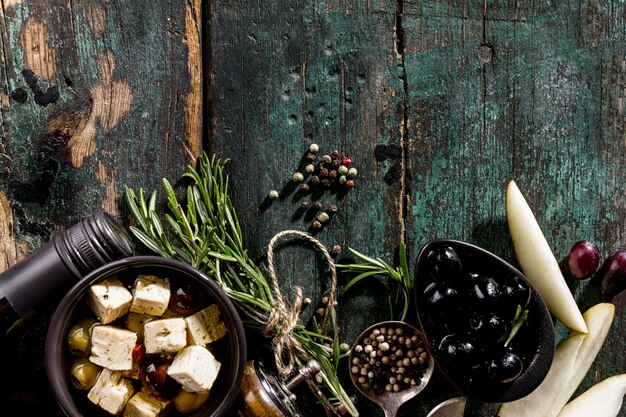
(92, 242)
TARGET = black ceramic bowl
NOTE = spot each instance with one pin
(474, 372)
(232, 346)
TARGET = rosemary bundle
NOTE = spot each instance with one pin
(205, 233)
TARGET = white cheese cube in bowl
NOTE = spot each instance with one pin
(194, 368)
(165, 335)
(111, 392)
(205, 326)
(151, 295)
(109, 299)
(112, 348)
(143, 404)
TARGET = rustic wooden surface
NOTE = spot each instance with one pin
(438, 103)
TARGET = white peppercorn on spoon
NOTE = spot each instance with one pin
(379, 367)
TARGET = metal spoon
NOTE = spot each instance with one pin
(454, 407)
(390, 402)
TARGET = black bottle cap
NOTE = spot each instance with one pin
(94, 241)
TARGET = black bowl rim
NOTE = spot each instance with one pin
(54, 346)
(541, 361)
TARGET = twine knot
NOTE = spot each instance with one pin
(283, 318)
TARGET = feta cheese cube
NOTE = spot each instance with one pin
(112, 348)
(111, 392)
(109, 300)
(165, 335)
(205, 326)
(144, 405)
(194, 368)
(151, 295)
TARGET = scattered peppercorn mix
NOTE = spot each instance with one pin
(330, 172)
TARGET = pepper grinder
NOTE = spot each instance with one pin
(263, 395)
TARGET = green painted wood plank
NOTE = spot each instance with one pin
(95, 95)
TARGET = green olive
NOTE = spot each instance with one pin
(186, 402)
(84, 373)
(79, 337)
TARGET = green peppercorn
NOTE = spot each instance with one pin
(342, 170)
(323, 217)
(353, 172)
(343, 179)
(297, 177)
(273, 195)
(344, 347)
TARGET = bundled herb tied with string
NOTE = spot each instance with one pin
(204, 232)
(375, 267)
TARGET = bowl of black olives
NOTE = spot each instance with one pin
(488, 329)
(145, 336)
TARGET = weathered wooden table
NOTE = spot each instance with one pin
(439, 104)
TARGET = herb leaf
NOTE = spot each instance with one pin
(518, 321)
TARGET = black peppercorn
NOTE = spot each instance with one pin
(305, 205)
(323, 172)
(326, 183)
(314, 180)
(332, 173)
(334, 155)
(332, 209)
(335, 164)
(316, 225)
(336, 250)
(326, 159)
(317, 205)
(304, 187)
(310, 156)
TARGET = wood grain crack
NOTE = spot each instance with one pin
(399, 46)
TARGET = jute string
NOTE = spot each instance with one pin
(283, 318)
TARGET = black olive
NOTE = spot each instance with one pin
(484, 293)
(458, 352)
(185, 298)
(440, 297)
(154, 377)
(445, 263)
(505, 368)
(517, 291)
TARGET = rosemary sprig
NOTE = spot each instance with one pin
(370, 267)
(518, 320)
(205, 233)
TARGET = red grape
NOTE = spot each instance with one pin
(612, 274)
(583, 259)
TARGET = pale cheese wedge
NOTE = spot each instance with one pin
(538, 262)
(572, 360)
(604, 399)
